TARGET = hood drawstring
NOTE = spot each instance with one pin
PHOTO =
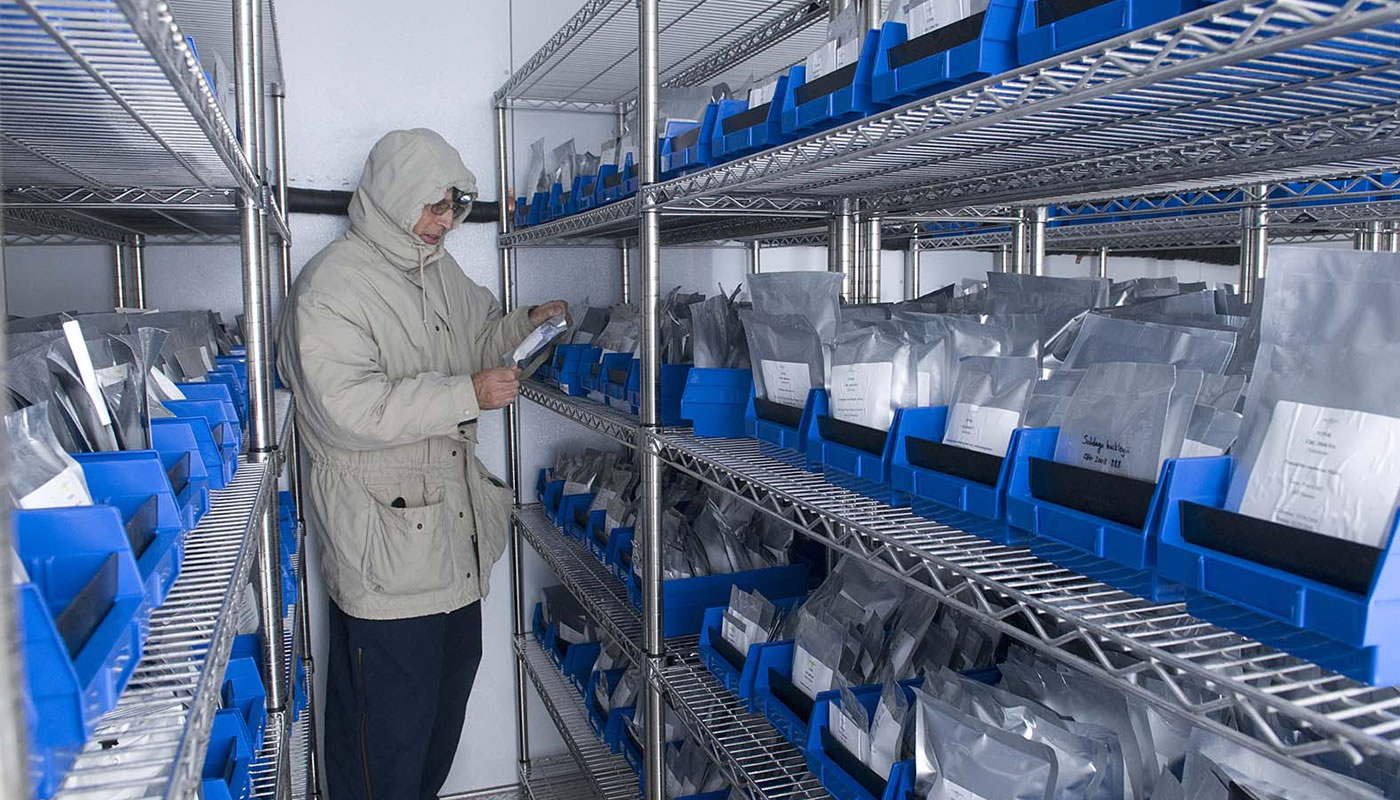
(422, 287)
(446, 298)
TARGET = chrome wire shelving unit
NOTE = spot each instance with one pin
(1242, 123)
(112, 134)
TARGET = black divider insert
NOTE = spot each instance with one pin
(792, 697)
(871, 440)
(631, 172)
(683, 140)
(938, 40)
(960, 462)
(581, 516)
(617, 376)
(1113, 497)
(564, 197)
(140, 528)
(1049, 11)
(612, 181)
(1316, 556)
(179, 474)
(595, 368)
(826, 84)
(725, 649)
(217, 428)
(745, 119)
(89, 607)
(862, 774)
(777, 412)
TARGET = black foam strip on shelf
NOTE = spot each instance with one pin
(725, 649)
(862, 774)
(1112, 497)
(938, 40)
(1316, 556)
(791, 696)
(1051, 11)
(959, 462)
(745, 119)
(870, 440)
(777, 412)
(826, 84)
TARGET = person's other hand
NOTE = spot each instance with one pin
(496, 388)
(545, 311)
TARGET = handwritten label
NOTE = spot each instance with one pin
(861, 393)
(851, 736)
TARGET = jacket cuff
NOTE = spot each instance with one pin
(516, 326)
(464, 400)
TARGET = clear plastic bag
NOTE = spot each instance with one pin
(1329, 340)
(39, 473)
(814, 296)
(1126, 418)
(1057, 300)
(787, 356)
(1211, 432)
(989, 401)
(872, 375)
(1104, 339)
(561, 166)
(718, 333)
(1050, 398)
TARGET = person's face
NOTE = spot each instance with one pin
(435, 221)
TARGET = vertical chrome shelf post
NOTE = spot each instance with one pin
(1037, 219)
(911, 270)
(1101, 265)
(870, 275)
(1254, 241)
(755, 254)
(119, 275)
(262, 434)
(512, 424)
(138, 270)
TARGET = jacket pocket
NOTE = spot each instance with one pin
(491, 507)
(409, 550)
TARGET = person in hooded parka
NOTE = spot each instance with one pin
(393, 354)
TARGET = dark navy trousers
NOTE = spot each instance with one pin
(396, 697)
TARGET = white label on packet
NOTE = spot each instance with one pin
(1331, 471)
(67, 488)
(925, 388)
(1190, 448)
(935, 14)
(860, 393)
(763, 94)
(849, 734)
(810, 675)
(786, 382)
(821, 61)
(981, 428)
(204, 356)
(848, 53)
(168, 389)
(947, 790)
(740, 632)
(885, 733)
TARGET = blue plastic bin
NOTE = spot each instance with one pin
(216, 391)
(537, 211)
(740, 130)
(1051, 27)
(574, 660)
(789, 440)
(686, 147)
(714, 401)
(673, 378)
(223, 428)
(573, 514)
(863, 470)
(243, 692)
(219, 464)
(1322, 599)
(841, 774)
(966, 496)
(80, 627)
(597, 717)
(738, 672)
(565, 365)
(174, 442)
(619, 553)
(238, 390)
(228, 761)
(136, 484)
(838, 97)
(777, 699)
(610, 380)
(973, 48)
(1119, 550)
(687, 599)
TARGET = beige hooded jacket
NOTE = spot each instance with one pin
(378, 341)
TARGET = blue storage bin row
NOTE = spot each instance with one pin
(1168, 540)
(228, 762)
(891, 70)
(574, 660)
(614, 378)
(842, 774)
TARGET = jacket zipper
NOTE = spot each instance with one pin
(476, 551)
(364, 725)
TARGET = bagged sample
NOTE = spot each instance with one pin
(1319, 448)
(872, 375)
(813, 296)
(787, 356)
(1050, 398)
(1126, 418)
(40, 474)
(750, 619)
(1058, 301)
(958, 757)
(538, 339)
(989, 401)
(1211, 432)
(1104, 339)
(719, 341)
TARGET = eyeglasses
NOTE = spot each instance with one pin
(459, 205)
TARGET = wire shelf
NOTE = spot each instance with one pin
(604, 419)
(1069, 617)
(554, 778)
(601, 593)
(593, 57)
(752, 754)
(211, 25)
(748, 749)
(608, 772)
(117, 70)
(1240, 92)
